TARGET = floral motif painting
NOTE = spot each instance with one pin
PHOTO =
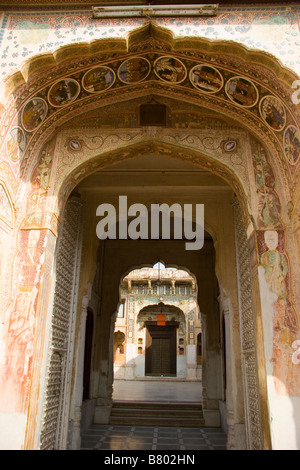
(273, 113)
(98, 79)
(206, 78)
(63, 92)
(291, 143)
(134, 70)
(34, 113)
(241, 91)
(170, 69)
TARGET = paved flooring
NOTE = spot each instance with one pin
(136, 438)
(105, 437)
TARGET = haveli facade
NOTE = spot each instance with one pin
(158, 297)
(172, 110)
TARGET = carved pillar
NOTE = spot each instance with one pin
(74, 432)
(56, 406)
(248, 336)
(228, 390)
(105, 387)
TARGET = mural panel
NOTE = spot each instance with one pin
(206, 79)
(134, 70)
(273, 112)
(242, 92)
(170, 69)
(276, 268)
(15, 143)
(269, 206)
(98, 79)
(63, 92)
(34, 113)
(291, 142)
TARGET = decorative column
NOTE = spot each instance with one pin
(61, 339)
(105, 388)
(75, 415)
(248, 336)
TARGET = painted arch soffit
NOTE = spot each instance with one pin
(251, 87)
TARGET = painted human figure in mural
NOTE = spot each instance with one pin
(275, 265)
(22, 317)
(269, 206)
(285, 322)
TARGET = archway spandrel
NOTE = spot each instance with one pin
(69, 179)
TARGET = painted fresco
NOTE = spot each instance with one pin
(63, 92)
(291, 142)
(22, 315)
(206, 79)
(273, 112)
(26, 34)
(170, 69)
(269, 207)
(6, 211)
(36, 213)
(15, 143)
(276, 269)
(134, 70)
(34, 113)
(242, 92)
(98, 79)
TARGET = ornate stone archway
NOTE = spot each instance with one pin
(52, 157)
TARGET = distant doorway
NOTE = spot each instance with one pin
(160, 360)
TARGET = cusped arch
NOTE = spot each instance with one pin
(153, 310)
(127, 152)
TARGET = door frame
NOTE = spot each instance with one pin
(153, 330)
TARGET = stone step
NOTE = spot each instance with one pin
(157, 414)
(156, 421)
(157, 405)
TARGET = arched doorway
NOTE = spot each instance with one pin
(150, 298)
(216, 149)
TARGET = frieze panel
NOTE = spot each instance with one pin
(90, 145)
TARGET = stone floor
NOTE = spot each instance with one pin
(112, 437)
(106, 437)
(157, 390)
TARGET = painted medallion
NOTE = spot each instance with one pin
(291, 143)
(34, 113)
(75, 145)
(63, 92)
(206, 78)
(273, 113)
(170, 69)
(134, 70)
(15, 143)
(98, 79)
(241, 91)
